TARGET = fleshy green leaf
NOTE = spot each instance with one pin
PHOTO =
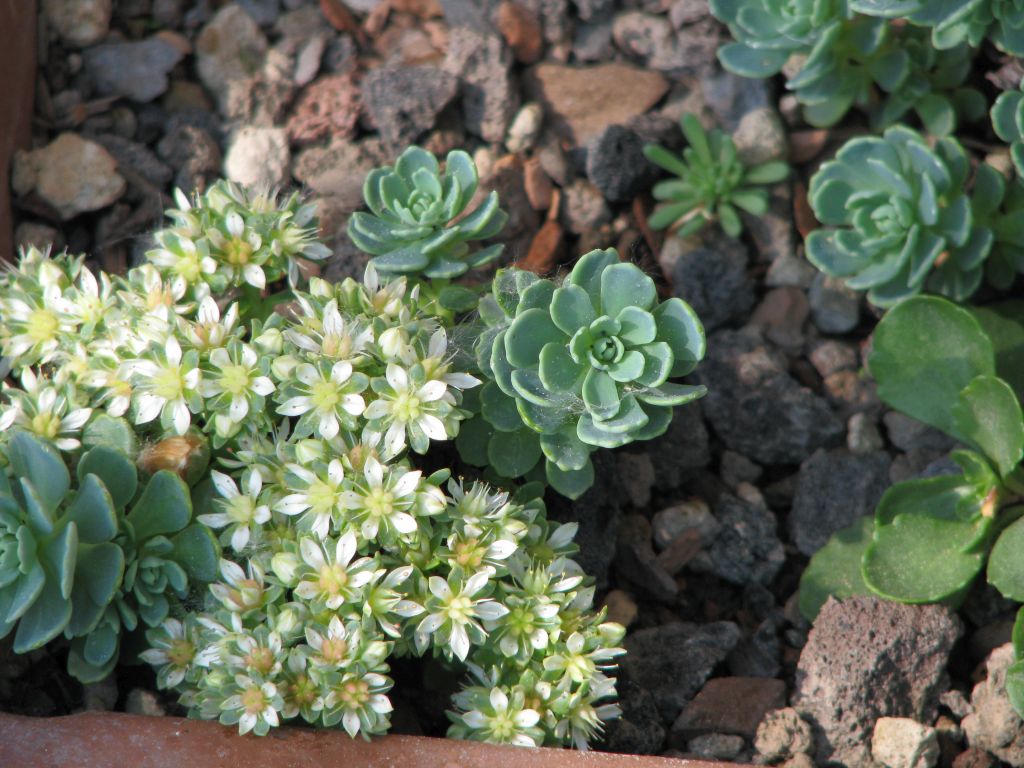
(835, 569)
(988, 416)
(42, 466)
(195, 549)
(515, 453)
(44, 620)
(624, 285)
(164, 507)
(1006, 562)
(527, 335)
(926, 350)
(570, 483)
(116, 472)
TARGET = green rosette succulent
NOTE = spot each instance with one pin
(586, 363)
(768, 32)
(897, 218)
(58, 559)
(712, 182)
(162, 551)
(418, 222)
(997, 206)
(1008, 122)
(953, 22)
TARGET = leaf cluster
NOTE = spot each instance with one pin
(712, 183)
(961, 371)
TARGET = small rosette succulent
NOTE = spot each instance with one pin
(1008, 122)
(953, 22)
(897, 218)
(768, 32)
(712, 182)
(418, 223)
(58, 560)
(587, 363)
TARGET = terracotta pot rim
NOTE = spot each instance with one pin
(109, 739)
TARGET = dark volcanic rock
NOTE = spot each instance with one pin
(639, 731)
(835, 489)
(757, 408)
(682, 450)
(713, 280)
(616, 164)
(747, 548)
(404, 102)
(865, 659)
(135, 70)
(674, 660)
(482, 62)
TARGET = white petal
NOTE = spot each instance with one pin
(253, 274)
(374, 472)
(404, 523)
(262, 385)
(353, 404)
(181, 417)
(397, 377)
(488, 610)
(439, 588)
(296, 406)
(430, 623)
(341, 371)
(312, 553)
(328, 426)
(240, 538)
(407, 483)
(225, 485)
(432, 390)
(498, 699)
(432, 426)
(460, 642)
(149, 407)
(346, 549)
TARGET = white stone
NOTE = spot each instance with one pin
(72, 174)
(899, 742)
(79, 22)
(230, 49)
(258, 157)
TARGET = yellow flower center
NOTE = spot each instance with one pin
(325, 395)
(237, 252)
(235, 379)
(260, 659)
(459, 608)
(337, 346)
(468, 553)
(333, 579)
(253, 700)
(406, 407)
(380, 503)
(334, 649)
(46, 425)
(181, 652)
(42, 325)
(302, 691)
(321, 496)
(354, 694)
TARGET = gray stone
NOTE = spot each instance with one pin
(757, 408)
(263, 12)
(258, 157)
(592, 41)
(716, 746)
(790, 270)
(652, 39)
(673, 661)
(143, 702)
(338, 170)
(616, 164)
(730, 97)
(230, 51)
(593, 9)
(783, 734)
(760, 655)
(712, 278)
(682, 450)
(867, 658)
(482, 63)
(736, 468)
(909, 434)
(100, 696)
(584, 207)
(862, 435)
(636, 472)
(834, 307)
(774, 235)
(995, 725)
(194, 155)
(635, 560)
(761, 137)
(747, 547)
(899, 742)
(79, 22)
(836, 489)
(135, 70)
(832, 356)
(672, 522)
(137, 157)
(404, 102)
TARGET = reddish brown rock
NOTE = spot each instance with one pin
(583, 101)
(537, 184)
(521, 31)
(734, 705)
(328, 107)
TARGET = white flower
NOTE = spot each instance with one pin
(452, 614)
(382, 501)
(408, 408)
(254, 707)
(502, 721)
(164, 385)
(43, 409)
(325, 397)
(237, 382)
(320, 497)
(36, 324)
(332, 578)
(242, 514)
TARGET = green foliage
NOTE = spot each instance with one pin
(955, 22)
(412, 229)
(897, 218)
(1008, 123)
(71, 556)
(581, 365)
(712, 183)
(932, 537)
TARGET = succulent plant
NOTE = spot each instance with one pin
(414, 224)
(768, 32)
(953, 22)
(1008, 122)
(930, 538)
(997, 207)
(58, 559)
(712, 182)
(898, 219)
(587, 363)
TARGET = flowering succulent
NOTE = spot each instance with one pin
(411, 227)
(231, 237)
(898, 219)
(712, 182)
(1008, 122)
(584, 364)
